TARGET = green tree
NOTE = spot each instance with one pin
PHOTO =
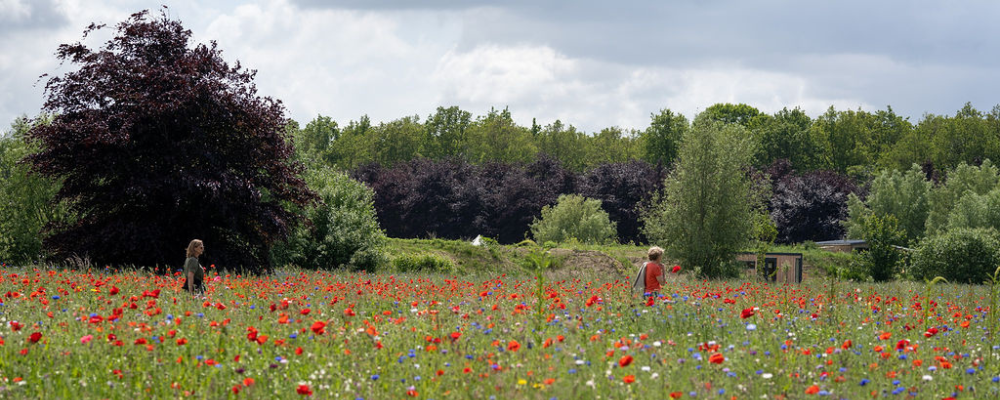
(342, 230)
(26, 199)
(397, 141)
(974, 210)
(314, 141)
(353, 147)
(962, 181)
(447, 130)
(904, 195)
(883, 257)
(844, 137)
(564, 143)
(786, 135)
(707, 213)
(732, 114)
(662, 138)
(496, 137)
(574, 217)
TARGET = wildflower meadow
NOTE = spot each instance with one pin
(294, 334)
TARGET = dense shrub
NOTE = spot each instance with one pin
(342, 228)
(622, 188)
(456, 200)
(810, 206)
(574, 217)
(960, 255)
(422, 263)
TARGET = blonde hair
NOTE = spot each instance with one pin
(655, 253)
(193, 245)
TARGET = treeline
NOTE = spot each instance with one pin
(456, 199)
(854, 142)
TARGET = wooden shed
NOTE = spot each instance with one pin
(778, 267)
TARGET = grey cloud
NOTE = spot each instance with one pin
(32, 15)
(761, 34)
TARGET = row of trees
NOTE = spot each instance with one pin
(854, 142)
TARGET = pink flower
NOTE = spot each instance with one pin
(86, 339)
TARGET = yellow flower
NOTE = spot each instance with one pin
(522, 382)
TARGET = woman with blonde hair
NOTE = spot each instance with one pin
(194, 273)
(654, 271)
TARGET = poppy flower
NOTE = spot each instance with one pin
(747, 313)
(931, 332)
(625, 361)
(628, 378)
(676, 269)
(812, 389)
(304, 390)
(35, 337)
(319, 327)
(349, 312)
(513, 345)
(716, 358)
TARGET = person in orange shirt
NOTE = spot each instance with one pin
(654, 271)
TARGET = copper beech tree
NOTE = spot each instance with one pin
(159, 141)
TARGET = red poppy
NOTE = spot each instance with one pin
(716, 358)
(513, 345)
(349, 312)
(35, 337)
(812, 389)
(676, 269)
(114, 290)
(15, 326)
(931, 332)
(747, 313)
(628, 378)
(319, 327)
(625, 361)
(304, 390)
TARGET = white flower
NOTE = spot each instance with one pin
(657, 344)
(927, 378)
(767, 375)
(645, 368)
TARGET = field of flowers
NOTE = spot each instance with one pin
(107, 334)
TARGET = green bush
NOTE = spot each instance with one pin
(574, 217)
(343, 229)
(959, 255)
(423, 263)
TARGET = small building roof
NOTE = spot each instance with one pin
(846, 242)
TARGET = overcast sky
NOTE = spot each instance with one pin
(592, 64)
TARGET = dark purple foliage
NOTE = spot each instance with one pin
(456, 200)
(159, 143)
(810, 206)
(622, 188)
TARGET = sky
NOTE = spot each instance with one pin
(591, 64)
